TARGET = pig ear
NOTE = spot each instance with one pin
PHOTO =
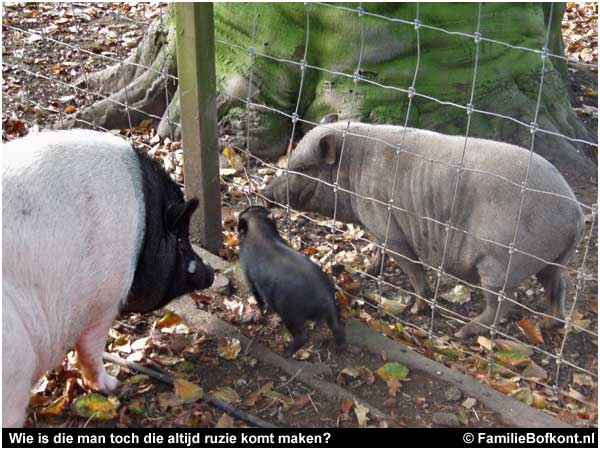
(327, 149)
(179, 215)
(242, 227)
(329, 118)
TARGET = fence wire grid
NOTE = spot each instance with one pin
(30, 105)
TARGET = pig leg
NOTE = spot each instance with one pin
(414, 272)
(260, 302)
(298, 330)
(555, 287)
(90, 346)
(374, 266)
(477, 326)
(338, 332)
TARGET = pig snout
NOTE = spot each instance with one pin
(201, 275)
(209, 276)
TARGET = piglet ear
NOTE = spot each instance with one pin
(327, 149)
(179, 215)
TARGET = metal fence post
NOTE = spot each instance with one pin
(197, 94)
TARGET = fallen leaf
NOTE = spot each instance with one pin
(70, 109)
(55, 407)
(523, 395)
(229, 347)
(137, 407)
(486, 343)
(137, 379)
(469, 403)
(459, 295)
(583, 380)
(186, 391)
(227, 394)
(504, 386)
(538, 401)
(393, 370)
(253, 398)
(361, 412)
(168, 320)
(504, 344)
(512, 359)
(274, 395)
(531, 330)
(534, 371)
(301, 355)
(393, 386)
(225, 421)
(346, 407)
(580, 325)
(95, 406)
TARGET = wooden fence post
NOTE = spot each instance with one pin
(197, 94)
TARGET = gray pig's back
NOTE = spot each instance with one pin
(487, 201)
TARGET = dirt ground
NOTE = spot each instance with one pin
(30, 101)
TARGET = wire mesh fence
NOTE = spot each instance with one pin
(548, 366)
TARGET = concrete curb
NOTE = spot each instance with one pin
(513, 412)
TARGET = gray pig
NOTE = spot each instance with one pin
(89, 228)
(486, 206)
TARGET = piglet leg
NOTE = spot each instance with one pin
(90, 347)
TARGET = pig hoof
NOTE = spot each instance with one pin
(105, 383)
(469, 330)
(551, 324)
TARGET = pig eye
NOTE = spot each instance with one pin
(191, 268)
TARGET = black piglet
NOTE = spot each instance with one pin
(286, 281)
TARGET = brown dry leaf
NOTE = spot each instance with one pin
(538, 401)
(523, 395)
(346, 407)
(229, 347)
(225, 421)
(485, 342)
(299, 404)
(55, 407)
(583, 380)
(512, 359)
(168, 320)
(227, 394)
(361, 412)
(253, 398)
(186, 391)
(393, 386)
(309, 250)
(38, 400)
(505, 344)
(342, 299)
(202, 298)
(70, 109)
(301, 355)
(531, 330)
(504, 386)
(348, 284)
(592, 305)
(366, 374)
(534, 371)
(231, 239)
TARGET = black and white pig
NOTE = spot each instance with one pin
(286, 281)
(486, 206)
(90, 227)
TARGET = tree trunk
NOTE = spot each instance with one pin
(507, 79)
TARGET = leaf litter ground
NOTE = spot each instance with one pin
(29, 101)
